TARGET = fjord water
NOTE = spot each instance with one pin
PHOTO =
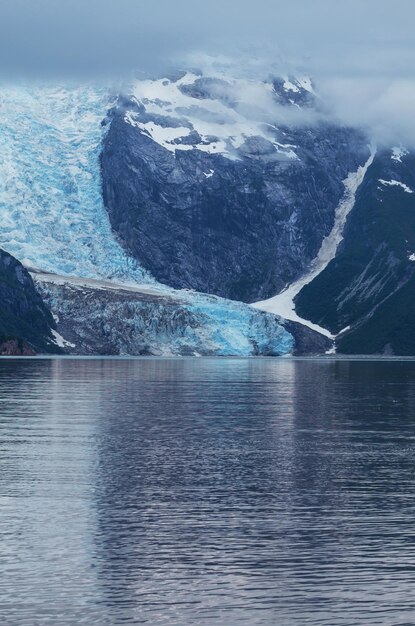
(234, 491)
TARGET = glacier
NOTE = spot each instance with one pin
(51, 208)
(105, 317)
(53, 219)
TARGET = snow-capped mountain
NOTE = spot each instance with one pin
(225, 186)
(214, 115)
(151, 219)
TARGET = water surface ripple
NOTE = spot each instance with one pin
(207, 492)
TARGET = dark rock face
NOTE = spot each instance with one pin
(370, 285)
(15, 347)
(307, 342)
(240, 227)
(25, 321)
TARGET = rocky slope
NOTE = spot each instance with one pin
(26, 324)
(367, 291)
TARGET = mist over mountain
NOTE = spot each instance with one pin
(360, 54)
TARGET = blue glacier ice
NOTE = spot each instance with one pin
(234, 328)
(95, 315)
(51, 210)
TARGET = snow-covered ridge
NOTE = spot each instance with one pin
(51, 209)
(283, 303)
(213, 115)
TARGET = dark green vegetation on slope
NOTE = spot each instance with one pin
(25, 321)
(370, 285)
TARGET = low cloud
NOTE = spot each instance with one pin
(383, 107)
(360, 37)
(360, 53)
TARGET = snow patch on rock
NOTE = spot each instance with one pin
(395, 183)
(399, 152)
(297, 84)
(206, 109)
(60, 341)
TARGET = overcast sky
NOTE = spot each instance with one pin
(359, 50)
(348, 37)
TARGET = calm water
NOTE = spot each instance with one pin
(207, 491)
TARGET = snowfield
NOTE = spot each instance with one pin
(220, 124)
(398, 152)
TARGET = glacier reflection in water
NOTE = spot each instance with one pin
(207, 492)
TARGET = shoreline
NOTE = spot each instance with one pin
(88, 357)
